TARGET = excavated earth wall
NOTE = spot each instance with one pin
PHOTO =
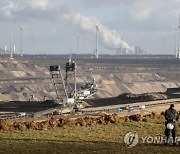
(22, 80)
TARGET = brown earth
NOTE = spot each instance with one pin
(102, 119)
(23, 80)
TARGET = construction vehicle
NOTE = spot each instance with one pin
(66, 90)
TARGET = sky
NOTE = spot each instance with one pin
(58, 26)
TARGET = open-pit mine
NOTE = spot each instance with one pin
(125, 85)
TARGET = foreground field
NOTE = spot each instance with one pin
(87, 139)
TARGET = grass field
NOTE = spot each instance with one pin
(86, 139)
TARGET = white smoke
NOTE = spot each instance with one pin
(53, 10)
(40, 4)
(108, 38)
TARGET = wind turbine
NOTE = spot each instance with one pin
(77, 38)
(14, 49)
(84, 45)
(33, 45)
(21, 51)
(77, 44)
(5, 48)
(163, 46)
(21, 41)
(70, 55)
(121, 45)
(176, 50)
(178, 46)
(11, 52)
(175, 30)
(96, 51)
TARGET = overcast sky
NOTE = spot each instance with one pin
(55, 25)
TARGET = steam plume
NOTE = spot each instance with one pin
(109, 38)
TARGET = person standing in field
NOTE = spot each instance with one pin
(171, 116)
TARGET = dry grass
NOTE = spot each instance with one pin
(86, 139)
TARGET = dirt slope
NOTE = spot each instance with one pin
(23, 81)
